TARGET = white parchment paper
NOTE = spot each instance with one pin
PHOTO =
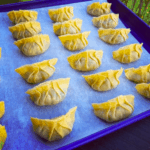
(19, 107)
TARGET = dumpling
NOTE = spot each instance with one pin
(139, 75)
(106, 21)
(104, 81)
(37, 72)
(115, 109)
(143, 89)
(25, 29)
(113, 36)
(50, 92)
(75, 42)
(61, 14)
(2, 109)
(3, 135)
(129, 53)
(97, 9)
(67, 27)
(22, 16)
(86, 61)
(34, 45)
(56, 128)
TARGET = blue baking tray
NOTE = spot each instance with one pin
(139, 29)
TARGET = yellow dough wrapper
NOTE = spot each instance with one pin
(3, 135)
(56, 128)
(22, 16)
(113, 36)
(86, 61)
(74, 42)
(61, 14)
(115, 109)
(67, 27)
(106, 21)
(129, 53)
(143, 89)
(138, 75)
(2, 108)
(50, 92)
(37, 72)
(97, 9)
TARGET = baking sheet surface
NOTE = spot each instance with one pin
(19, 107)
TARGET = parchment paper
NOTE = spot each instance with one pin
(19, 107)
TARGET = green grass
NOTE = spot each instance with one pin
(140, 7)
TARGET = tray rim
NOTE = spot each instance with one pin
(36, 4)
(146, 45)
(140, 35)
(106, 131)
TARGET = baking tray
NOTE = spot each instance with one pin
(19, 108)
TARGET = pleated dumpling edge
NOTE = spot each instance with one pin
(97, 9)
(128, 53)
(104, 81)
(113, 36)
(37, 72)
(50, 92)
(75, 42)
(143, 89)
(138, 75)
(56, 128)
(67, 27)
(25, 29)
(22, 16)
(115, 109)
(34, 45)
(61, 14)
(106, 21)
(87, 60)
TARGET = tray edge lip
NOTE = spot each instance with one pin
(119, 1)
(146, 43)
(31, 3)
(106, 131)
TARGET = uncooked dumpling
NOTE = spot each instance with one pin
(97, 9)
(49, 93)
(34, 45)
(129, 53)
(115, 109)
(25, 29)
(22, 16)
(3, 135)
(139, 75)
(2, 108)
(75, 42)
(113, 36)
(106, 21)
(37, 72)
(104, 81)
(56, 128)
(61, 14)
(86, 61)
(143, 89)
(67, 27)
